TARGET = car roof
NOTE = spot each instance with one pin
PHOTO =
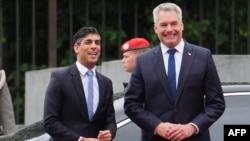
(235, 88)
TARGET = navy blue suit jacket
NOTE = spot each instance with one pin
(200, 99)
(65, 107)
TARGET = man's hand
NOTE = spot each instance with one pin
(104, 135)
(175, 132)
(164, 128)
(180, 132)
(89, 139)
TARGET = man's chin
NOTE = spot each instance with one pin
(93, 60)
(171, 43)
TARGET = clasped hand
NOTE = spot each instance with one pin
(175, 132)
(102, 136)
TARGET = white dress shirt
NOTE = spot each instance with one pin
(83, 72)
(177, 56)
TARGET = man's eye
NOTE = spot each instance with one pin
(174, 24)
(163, 25)
(97, 42)
(87, 43)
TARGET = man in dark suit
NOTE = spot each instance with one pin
(67, 107)
(187, 110)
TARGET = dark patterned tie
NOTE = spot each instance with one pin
(171, 72)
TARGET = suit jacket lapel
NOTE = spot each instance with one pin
(187, 59)
(101, 91)
(77, 84)
(161, 71)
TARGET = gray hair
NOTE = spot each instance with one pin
(166, 7)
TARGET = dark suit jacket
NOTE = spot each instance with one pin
(65, 107)
(199, 99)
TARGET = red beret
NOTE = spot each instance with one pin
(134, 43)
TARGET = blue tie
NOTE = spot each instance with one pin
(171, 72)
(90, 94)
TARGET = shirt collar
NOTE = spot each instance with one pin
(83, 70)
(179, 47)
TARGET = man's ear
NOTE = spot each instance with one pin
(155, 29)
(76, 48)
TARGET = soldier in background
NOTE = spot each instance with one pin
(130, 50)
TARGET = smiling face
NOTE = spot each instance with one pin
(88, 50)
(169, 27)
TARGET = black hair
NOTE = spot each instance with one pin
(82, 32)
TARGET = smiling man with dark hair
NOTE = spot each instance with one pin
(79, 100)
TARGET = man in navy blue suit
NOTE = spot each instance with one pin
(150, 100)
(66, 114)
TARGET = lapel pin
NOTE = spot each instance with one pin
(189, 54)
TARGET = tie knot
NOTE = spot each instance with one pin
(171, 51)
(89, 73)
